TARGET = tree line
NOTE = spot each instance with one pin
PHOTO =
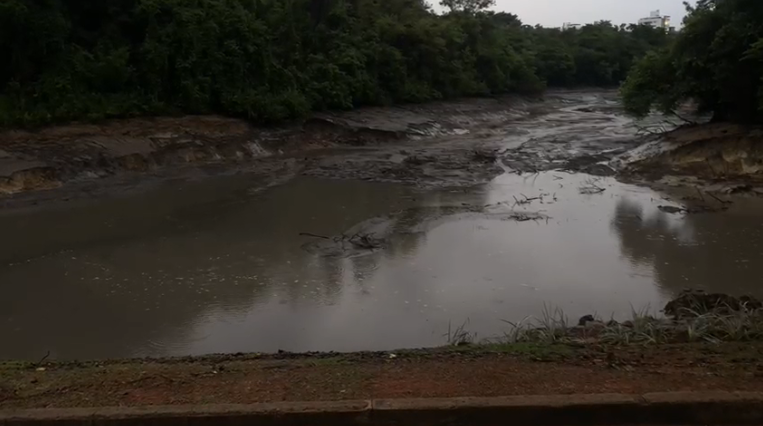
(274, 60)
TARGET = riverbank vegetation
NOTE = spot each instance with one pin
(274, 60)
(684, 351)
(716, 61)
(692, 317)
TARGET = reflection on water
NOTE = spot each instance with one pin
(712, 252)
(193, 268)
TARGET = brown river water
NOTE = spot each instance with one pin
(203, 267)
(198, 266)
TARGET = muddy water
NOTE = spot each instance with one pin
(212, 266)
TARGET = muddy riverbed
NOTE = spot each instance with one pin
(491, 217)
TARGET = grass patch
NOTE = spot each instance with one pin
(553, 326)
(16, 365)
(693, 317)
(460, 336)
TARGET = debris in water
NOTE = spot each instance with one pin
(524, 217)
(670, 209)
(691, 210)
(527, 200)
(591, 186)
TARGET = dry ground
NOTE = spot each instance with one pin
(519, 369)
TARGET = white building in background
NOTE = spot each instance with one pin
(656, 20)
(571, 26)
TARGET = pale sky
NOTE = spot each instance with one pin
(553, 13)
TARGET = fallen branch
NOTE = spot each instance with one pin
(525, 217)
(690, 210)
(43, 359)
(527, 200)
(307, 234)
(723, 202)
(590, 187)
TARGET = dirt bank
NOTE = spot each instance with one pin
(50, 157)
(724, 157)
(460, 371)
(445, 144)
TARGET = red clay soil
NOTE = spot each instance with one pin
(442, 373)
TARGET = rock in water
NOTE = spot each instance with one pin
(585, 319)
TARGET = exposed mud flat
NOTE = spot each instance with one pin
(575, 131)
(51, 157)
(447, 144)
(581, 134)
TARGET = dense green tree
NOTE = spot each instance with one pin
(272, 60)
(716, 61)
(598, 54)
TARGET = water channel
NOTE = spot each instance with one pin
(207, 266)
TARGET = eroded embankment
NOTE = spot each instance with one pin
(445, 144)
(726, 157)
(50, 157)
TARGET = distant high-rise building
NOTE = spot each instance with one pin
(656, 20)
(571, 26)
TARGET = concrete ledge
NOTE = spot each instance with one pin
(684, 408)
(527, 410)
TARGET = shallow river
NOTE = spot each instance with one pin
(196, 267)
